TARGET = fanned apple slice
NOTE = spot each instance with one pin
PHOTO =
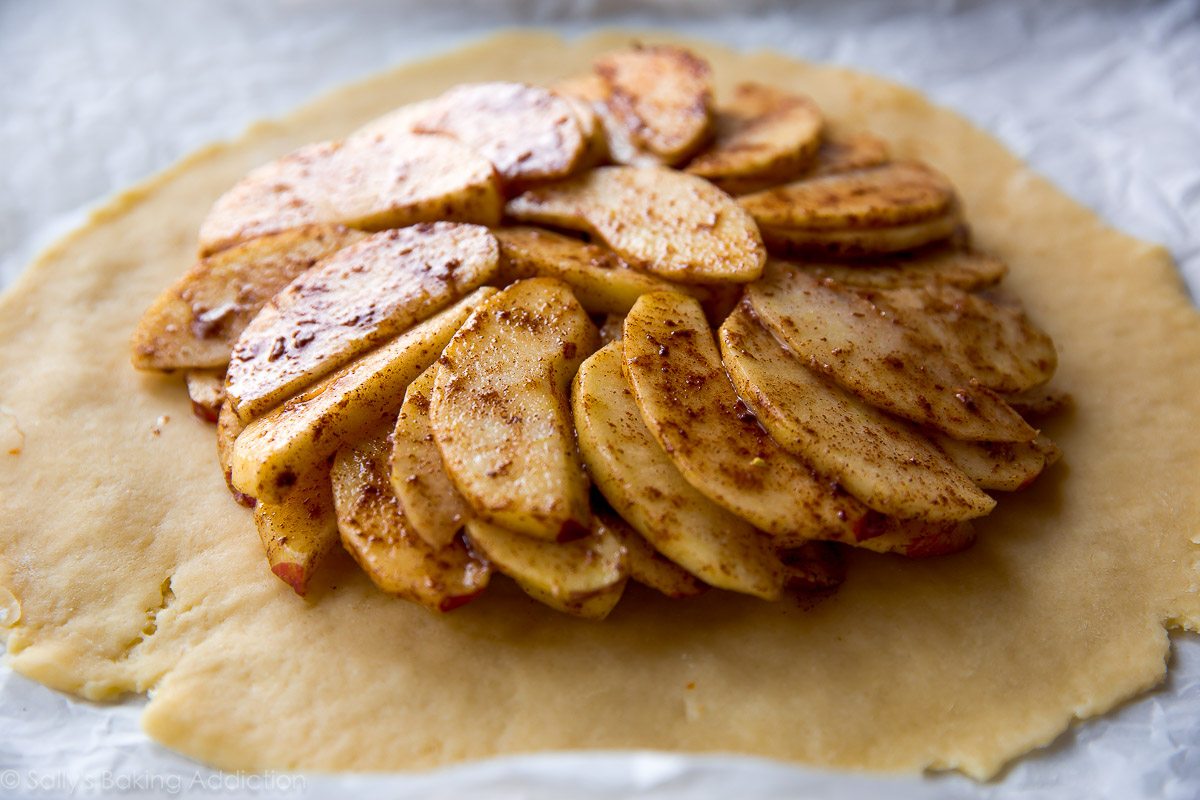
(813, 567)
(600, 280)
(639, 480)
(299, 531)
(691, 409)
(273, 450)
(860, 242)
(594, 606)
(1001, 466)
(435, 509)
(675, 225)
(646, 565)
(660, 96)
(375, 532)
(527, 132)
(563, 570)
(996, 343)
(839, 152)
(206, 390)
(948, 266)
(500, 409)
(761, 132)
(894, 194)
(373, 180)
(843, 335)
(195, 323)
(1038, 402)
(229, 427)
(365, 294)
(880, 460)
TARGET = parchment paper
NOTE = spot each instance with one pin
(1103, 97)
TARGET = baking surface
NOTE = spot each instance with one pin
(1162, 749)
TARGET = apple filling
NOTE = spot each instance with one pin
(611, 330)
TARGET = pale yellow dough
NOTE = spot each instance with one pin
(135, 570)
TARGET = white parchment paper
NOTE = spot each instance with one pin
(1103, 97)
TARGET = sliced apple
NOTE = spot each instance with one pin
(675, 225)
(860, 242)
(949, 266)
(273, 450)
(845, 336)
(195, 323)
(1038, 402)
(299, 531)
(660, 96)
(880, 460)
(594, 606)
(813, 567)
(206, 390)
(1000, 466)
(762, 132)
(996, 343)
(375, 532)
(640, 481)
(646, 565)
(500, 409)
(600, 280)
(693, 412)
(839, 152)
(229, 427)
(435, 510)
(365, 294)
(563, 570)
(373, 180)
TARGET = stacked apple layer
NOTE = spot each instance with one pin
(400, 355)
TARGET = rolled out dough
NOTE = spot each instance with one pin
(136, 571)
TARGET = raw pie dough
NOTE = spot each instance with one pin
(134, 569)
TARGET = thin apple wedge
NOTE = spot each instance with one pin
(640, 481)
(762, 132)
(373, 180)
(365, 294)
(435, 510)
(563, 570)
(1000, 466)
(690, 406)
(300, 530)
(500, 410)
(229, 428)
(997, 343)
(527, 132)
(861, 242)
(206, 390)
(845, 336)
(646, 565)
(660, 97)
(593, 606)
(813, 567)
(946, 266)
(882, 461)
(677, 226)
(1039, 402)
(375, 532)
(600, 280)
(274, 449)
(839, 152)
(195, 323)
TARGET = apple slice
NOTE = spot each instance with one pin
(500, 410)
(639, 480)
(600, 280)
(375, 532)
(839, 152)
(996, 343)
(880, 460)
(1038, 402)
(273, 450)
(646, 565)
(563, 570)
(675, 225)
(660, 97)
(206, 390)
(365, 294)
(527, 132)
(373, 180)
(861, 242)
(594, 606)
(229, 427)
(813, 567)
(762, 132)
(195, 323)
(691, 409)
(843, 335)
(299, 531)
(435, 510)
(946, 266)
(1000, 466)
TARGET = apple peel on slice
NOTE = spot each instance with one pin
(646, 565)
(300, 530)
